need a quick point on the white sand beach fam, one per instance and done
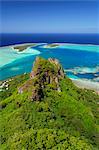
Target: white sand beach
(87, 84)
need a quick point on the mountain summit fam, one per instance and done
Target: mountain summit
(44, 73)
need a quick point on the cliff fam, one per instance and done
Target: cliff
(45, 73)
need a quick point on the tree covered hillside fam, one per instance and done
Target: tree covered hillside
(46, 111)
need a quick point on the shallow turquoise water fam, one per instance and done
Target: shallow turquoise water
(9, 55)
(79, 61)
(90, 48)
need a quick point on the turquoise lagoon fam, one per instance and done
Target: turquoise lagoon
(78, 60)
(9, 55)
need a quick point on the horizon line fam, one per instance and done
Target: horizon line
(45, 33)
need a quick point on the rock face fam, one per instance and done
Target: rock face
(45, 74)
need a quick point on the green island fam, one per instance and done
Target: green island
(44, 110)
(21, 48)
(53, 45)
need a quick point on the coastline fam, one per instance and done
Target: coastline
(86, 84)
(81, 83)
(15, 54)
(22, 44)
(46, 46)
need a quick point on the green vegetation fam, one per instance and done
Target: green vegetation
(23, 47)
(66, 119)
(52, 45)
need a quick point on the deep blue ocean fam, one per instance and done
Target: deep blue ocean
(69, 58)
(9, 39)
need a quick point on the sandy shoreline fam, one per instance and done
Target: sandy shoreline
(23, 44)
(82, 83)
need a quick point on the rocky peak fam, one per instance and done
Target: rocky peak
(47, 66)
(45, 73)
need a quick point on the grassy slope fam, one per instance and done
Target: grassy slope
(62, 120)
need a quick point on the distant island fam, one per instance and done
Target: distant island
(49, 75)
(22, 47)
(45, 110)
(52, 45)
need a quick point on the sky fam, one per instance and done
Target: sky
(62, 16)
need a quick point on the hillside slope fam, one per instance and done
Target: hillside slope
(45, 110)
